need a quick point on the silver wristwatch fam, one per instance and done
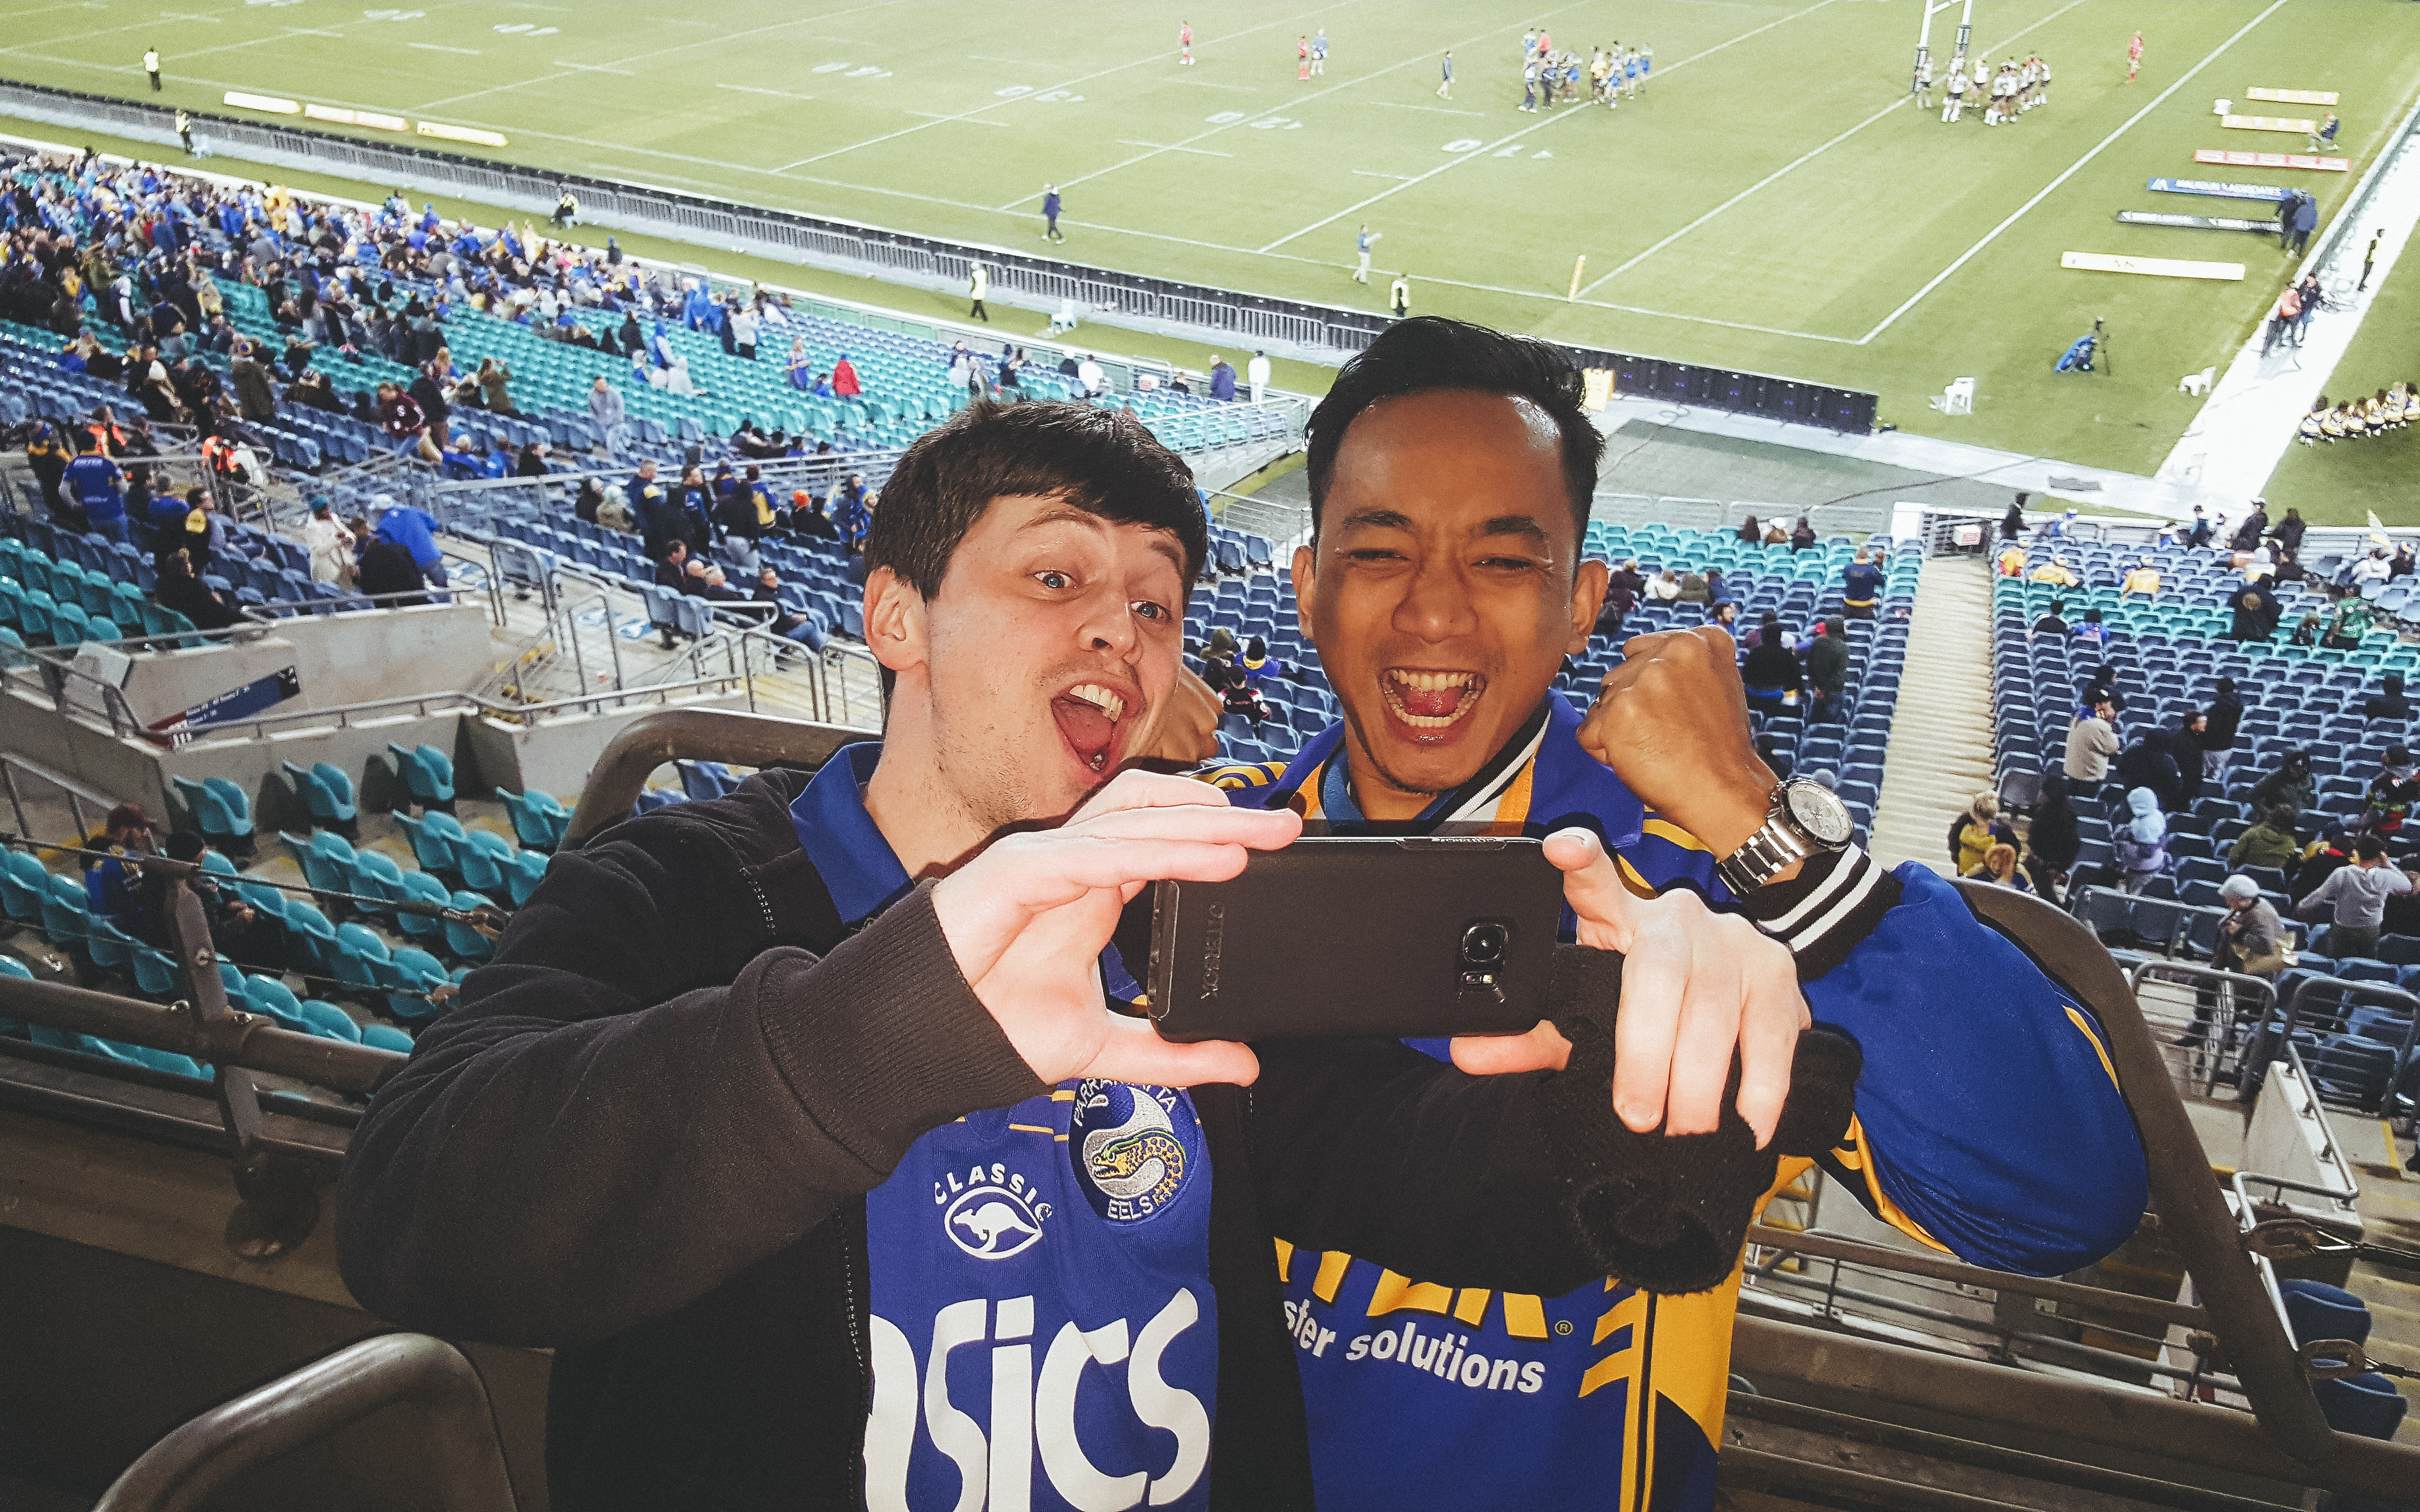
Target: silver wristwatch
(1805, 818)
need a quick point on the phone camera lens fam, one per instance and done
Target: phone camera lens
(1483, 946)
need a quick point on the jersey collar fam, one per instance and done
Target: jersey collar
(1474, 802)
(858, 865)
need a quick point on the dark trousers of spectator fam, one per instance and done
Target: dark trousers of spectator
(2345, 941)
(2269, 337)
(114, 529)
(1856, 612)
(745, 349)
(155, 81)
(2301, 240)
(2364, 277)
(1052, 230)
(2302, 323)
(188, 134)
(978, 313)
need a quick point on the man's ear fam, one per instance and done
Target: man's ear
(894, 620)
(1306, 585)
(1588, 597)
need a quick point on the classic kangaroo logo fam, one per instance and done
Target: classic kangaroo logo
(994, 1221)
(991, 1220)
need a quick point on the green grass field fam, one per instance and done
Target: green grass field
(1765, 205)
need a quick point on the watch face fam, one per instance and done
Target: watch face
(1815, 809)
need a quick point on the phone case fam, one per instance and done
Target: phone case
(1407, 936)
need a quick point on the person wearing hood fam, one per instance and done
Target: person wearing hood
(2289, 529)
(1257, 665)
(330, 543)
(2271, 844)
(2256, 610)
(2391, 794)
(1827, 670)
(2052, 841)
(47, 455)
(2142, 843)
(1221, 647)
(2290, 784)
(2184, 743)
(2388, 702)
(2000, 868)
(2255, 525)
(1974, 833)
(2150, 765)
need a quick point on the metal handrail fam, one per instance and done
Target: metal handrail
(463, 1454)
(2218, 1034)
(252, 1041)
(692, 734)
(2193, 1210)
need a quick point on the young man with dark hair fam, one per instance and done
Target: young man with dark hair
(797, 1125)
(1452, 470)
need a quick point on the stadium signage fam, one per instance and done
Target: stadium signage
(2212, 186)
(2198, 222)
(270, 103)
(2299, 125)
(356, 118)
(462, 133)
(256, 697)
(2272, 160)
(2293, 96)
(2105, 262)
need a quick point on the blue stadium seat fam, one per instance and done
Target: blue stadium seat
(421, 888)
(327, 793)
(428, 773)
(464, 941)
(537, 819)
(221, 811)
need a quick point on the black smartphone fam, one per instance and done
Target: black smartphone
(1409, 937)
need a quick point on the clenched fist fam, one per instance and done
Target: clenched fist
(1672, 724)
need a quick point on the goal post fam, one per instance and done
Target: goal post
(1924, 38)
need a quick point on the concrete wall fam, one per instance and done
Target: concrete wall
(553, 758)
(339, 659)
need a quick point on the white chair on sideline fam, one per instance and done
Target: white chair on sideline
(2198, 383)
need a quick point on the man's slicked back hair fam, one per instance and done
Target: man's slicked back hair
(1432, 353)
(1104, 462)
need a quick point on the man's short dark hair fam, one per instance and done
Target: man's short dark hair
(1432, 353)
(1102, 461)
(2369, 847)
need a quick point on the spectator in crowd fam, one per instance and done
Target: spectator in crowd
(2141, 847)
(2141, 578)
(1770, 674)
(2091, 744)
(706, 581)
(2256, 610)
(606, 412)
(2220, 723)
(2052, 841)
(2353, 897)
(96, 484)
(1827, 670)
(613, 511)
(2374, 567)
(2053, 622)
(2149, 765)
(2388, 702)
(1802, 536)
(844, 382)
(2391, 794)
(1861, 586)
(1750, 532)
(2184, 742)
(2255, 525)
(495, 386)
(2353, 617)
(415, 531)
(46, 455)
(2291, 784)
(1222, 379)
(1974, 833)
(239, 932)
(784, 622)
(1725, 617)
(672, 570)
(2290, 529)
(2271, 844)
(1666, 588)
(807, 519)
(1622, 590)
(2322, 860)
(253, 398)
(180, 591)
(2000, 867)
(330, 543)
(1238, 694)
(2251, 939)
(384, 567)
(2012, 524)
(2092, 631)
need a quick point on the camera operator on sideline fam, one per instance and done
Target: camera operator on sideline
(1452, 470)
(797, 1125)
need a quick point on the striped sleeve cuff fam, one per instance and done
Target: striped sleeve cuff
(1836, 900)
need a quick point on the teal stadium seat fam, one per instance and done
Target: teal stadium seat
(221, 811)
(428, 773)
(537, 818)
(327, 793)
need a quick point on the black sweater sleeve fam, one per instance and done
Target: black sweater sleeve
(1376, 1150)
(592, 1140)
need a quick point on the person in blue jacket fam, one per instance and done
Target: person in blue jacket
(1451, 469)
(415, 531)
(96, 484)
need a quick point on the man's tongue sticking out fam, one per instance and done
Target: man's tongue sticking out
(1088, 729)
(1432, 703)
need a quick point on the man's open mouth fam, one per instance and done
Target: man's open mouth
(1431, 701)
(1088, 715)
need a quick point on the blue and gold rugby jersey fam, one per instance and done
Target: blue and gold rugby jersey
(1988, 1125)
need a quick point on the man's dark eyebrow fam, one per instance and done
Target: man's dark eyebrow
(1376, 519)
(1161, 541)
(1525, 526)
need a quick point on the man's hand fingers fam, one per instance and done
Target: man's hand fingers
(1654, 975)
(1709, 1031)
(1262, 830)
(1769, 1029)
(1147, 790)
(1543, 1048)
(1608, 910)
(1134, 1051)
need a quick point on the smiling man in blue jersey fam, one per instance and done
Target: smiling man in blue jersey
(800, 1125)
(1451, 469)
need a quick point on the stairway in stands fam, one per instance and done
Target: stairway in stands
(2390, 1214)
(1940, 753)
